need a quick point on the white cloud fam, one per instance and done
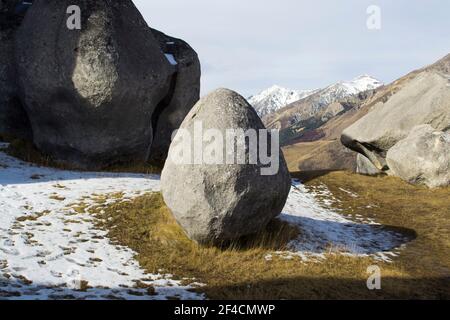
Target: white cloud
(252, 44)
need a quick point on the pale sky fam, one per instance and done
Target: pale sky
(249, 45)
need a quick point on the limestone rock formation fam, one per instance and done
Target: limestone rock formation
(423, 157)
(91, 94)
(421, 97)
(215, 201)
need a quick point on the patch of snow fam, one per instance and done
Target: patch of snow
(352, 194)
(47, 249)
(345, 89)
(324, 230)
(171, 58)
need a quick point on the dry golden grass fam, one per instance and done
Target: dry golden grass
(402, 205)
(297, 153)
(240, 270)
(319, 155)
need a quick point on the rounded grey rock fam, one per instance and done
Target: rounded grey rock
(422, 158)
(90, 93)
(220, 202)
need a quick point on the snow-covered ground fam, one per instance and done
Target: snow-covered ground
(48, 249)
(323, 229)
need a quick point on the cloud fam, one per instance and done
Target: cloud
(249, 45)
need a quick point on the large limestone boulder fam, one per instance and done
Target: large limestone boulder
(13, 119)
(421, 97)
(423, 157)
(212, 200)
(423, 100)
(91, 94)
(184, 93)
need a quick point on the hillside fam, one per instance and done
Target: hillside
(275, 98)
(317, 105)
(392, 137)
(326, 151)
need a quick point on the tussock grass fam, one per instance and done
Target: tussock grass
(240, 270)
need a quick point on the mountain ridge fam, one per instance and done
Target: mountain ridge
(277, 98)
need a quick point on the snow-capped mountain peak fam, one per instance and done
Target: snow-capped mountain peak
(276, 97)
(361, 84)
(344, 89)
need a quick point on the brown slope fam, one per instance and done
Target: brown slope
(327, 153)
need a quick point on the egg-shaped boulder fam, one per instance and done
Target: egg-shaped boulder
(216, 180)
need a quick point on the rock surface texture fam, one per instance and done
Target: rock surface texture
(365, 167)
(423, 157)
(218, 202)
(96, 96)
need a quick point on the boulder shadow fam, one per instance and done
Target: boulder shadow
(306, 176)
(333, 288)
(318, 236)
(276, 236)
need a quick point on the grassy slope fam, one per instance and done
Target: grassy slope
(319, 155)
(240, 271)
(326, 153)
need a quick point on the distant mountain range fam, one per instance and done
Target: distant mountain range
(275, 98)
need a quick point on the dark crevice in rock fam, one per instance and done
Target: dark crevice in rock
(376, 155)
(163, 104)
